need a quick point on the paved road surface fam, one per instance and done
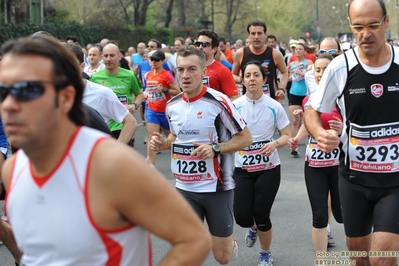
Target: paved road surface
(291, 218)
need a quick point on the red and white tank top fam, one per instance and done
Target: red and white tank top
(51, 220)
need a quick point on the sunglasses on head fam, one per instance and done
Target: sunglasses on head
(23, 91)
(331, 51)
(154, 59)
(204, 44)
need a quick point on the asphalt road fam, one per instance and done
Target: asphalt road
(291, 217)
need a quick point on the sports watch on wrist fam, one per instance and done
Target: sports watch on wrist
(136, 105)
(216, 149)
(165, 90)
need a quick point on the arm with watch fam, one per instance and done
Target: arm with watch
(240, 140)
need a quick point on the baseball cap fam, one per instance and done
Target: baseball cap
(293, 43)
(158, 55)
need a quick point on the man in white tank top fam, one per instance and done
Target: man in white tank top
(74, 195)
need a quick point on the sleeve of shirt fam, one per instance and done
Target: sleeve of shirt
(135, 85)
(170, 77)
(231, 118)
(311, 84)
(332, 83)
(112, 108)
(227, 82)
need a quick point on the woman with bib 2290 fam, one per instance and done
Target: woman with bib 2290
(257, 173)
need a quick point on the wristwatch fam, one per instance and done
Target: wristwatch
(282, 89)
(165, 90)
(136, 105)
(216, 149)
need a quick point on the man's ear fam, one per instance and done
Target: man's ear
(66, 98)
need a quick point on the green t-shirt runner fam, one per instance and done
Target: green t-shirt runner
(124, 84)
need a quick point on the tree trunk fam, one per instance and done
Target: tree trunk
(181, 20)
(169, 13)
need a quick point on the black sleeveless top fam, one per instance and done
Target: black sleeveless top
(266, 59)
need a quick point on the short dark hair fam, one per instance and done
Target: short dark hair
(159, 44)
(188, 50)
(180, 39)
(256, 23)
(382, 5)
(303, 38)
(76, 50)
(66, 70)
(191, 39)
(211, 34)
(72, 37)
(271, 37)
(223, 40)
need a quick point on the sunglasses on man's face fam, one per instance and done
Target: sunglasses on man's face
(331, 51)
(23, 91)
(204, 44)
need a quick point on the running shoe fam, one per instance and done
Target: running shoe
(330, 240)
(295, 153)
(1, 242)
(265, 259)
(234, 255)
(251, 237)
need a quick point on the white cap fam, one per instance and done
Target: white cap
(163, 45)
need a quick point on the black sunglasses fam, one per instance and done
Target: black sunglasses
(154, 59)
(204, 44)
(23, 91)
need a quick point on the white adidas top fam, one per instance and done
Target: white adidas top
(51, 221)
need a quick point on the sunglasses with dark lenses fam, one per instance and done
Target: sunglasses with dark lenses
(204, 44)
(155, 59)
(23, 91)
(331, 51)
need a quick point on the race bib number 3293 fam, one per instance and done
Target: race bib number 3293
(374, 148)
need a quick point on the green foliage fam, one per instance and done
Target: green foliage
(57, 16)
(86, 34)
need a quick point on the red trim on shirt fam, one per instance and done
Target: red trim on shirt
(41, 180)
(114, 250)
(196, 97)
(9, 188)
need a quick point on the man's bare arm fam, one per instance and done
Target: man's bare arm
(240, 140)
(142, 196)
(128, 129)
(237, 65)
(6, 234)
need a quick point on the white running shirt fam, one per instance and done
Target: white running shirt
(51, 221)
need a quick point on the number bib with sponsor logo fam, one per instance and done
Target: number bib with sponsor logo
(266, 90)
(251, 160)
(153, 95)
(375, 148)
(188, 168)
(298, 77)
(123, 99)
(316, 158)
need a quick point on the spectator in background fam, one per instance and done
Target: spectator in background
(95, 60)
(239, 44)
(227, 52)
(189, 41)
(72, 39)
